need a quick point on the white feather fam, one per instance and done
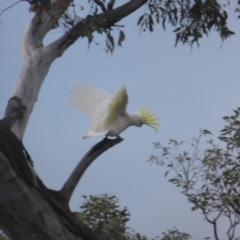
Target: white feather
(95, 103)
(87, 98)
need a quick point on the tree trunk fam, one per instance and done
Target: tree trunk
(28, 209)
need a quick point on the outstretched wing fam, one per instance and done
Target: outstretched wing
(87, 98)
(118, 105)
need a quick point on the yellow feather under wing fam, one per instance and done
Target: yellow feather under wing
(118, 105)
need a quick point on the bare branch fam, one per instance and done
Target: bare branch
(214, 223)
(1, 13)
(89, 157)
(215, 230)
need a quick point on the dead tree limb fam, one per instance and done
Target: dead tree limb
(84, 163)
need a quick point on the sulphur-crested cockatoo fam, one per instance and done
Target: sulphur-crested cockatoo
(108, 113)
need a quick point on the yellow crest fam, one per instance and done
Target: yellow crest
(150, 118)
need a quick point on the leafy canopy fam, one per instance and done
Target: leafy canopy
(104, 216)
(191, 19)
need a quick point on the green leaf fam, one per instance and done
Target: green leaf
(205, 131)
(140, 19)
(177, 29)
(121, 38)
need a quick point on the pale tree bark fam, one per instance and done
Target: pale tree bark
(28, 209)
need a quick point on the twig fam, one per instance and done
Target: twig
(11, 6)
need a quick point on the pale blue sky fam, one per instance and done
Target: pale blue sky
(189, 90)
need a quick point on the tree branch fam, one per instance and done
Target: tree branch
(1, 13)
(89, 157)
(123, 11)
(214, 223)
(45, 19)
(90, 24)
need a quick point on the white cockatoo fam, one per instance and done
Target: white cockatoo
(108, 113)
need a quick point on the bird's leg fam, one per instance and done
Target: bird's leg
(106, 136)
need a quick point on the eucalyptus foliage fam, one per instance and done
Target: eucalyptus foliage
(190, 19)
(208, 173)
(105, 217)
(175, 234)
